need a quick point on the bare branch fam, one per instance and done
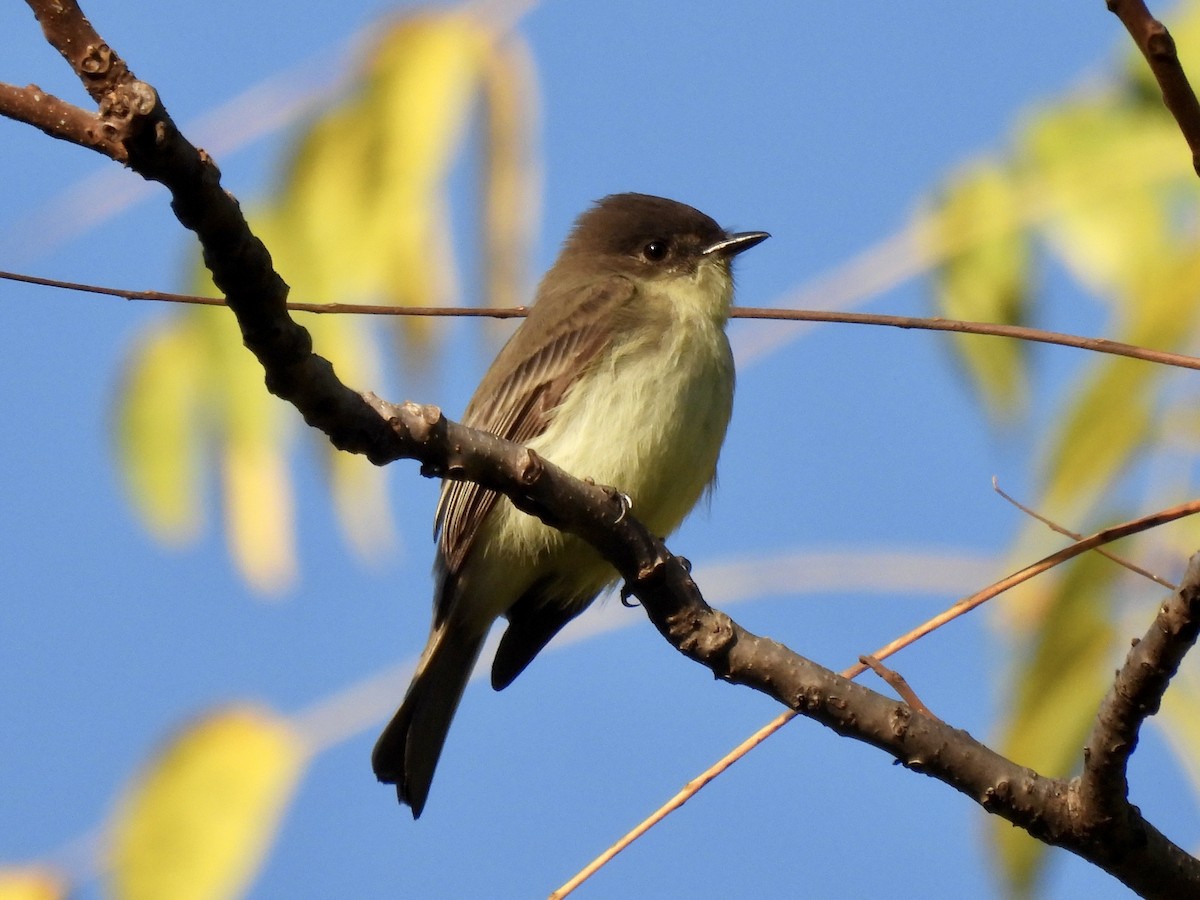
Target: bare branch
(898, 683)
(57, 118)
(1134, 696)
(1157, 45)
(1131, 849)
(68, 31)
(958, 609)
(959, 326)
(1075, 536)
(1100, 538)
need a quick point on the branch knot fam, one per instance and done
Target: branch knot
(127, 102)
(709, 636)
(97, 59)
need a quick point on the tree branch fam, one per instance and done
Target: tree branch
(1157, 45)
(57, 118)
(1135, 696)
(69, 32)
(1130, 848)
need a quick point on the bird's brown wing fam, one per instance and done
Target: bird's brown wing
(526, 382)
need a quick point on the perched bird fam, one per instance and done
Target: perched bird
(620, 373)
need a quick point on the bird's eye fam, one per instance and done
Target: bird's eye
(655, 251)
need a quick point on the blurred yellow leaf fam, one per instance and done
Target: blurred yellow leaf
(360, 501)
(975, 229)
(258, 504)
(252, 429)
(426, 71)
(31, 883)
(158, 424)
(1108, 421)
(1116, 411)
(366, 190)
(358, 488)
(197, 822)
(361, 215)
(511, 178)
(1093, 165)
(187, 378)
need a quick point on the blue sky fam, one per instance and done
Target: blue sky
(822, 123)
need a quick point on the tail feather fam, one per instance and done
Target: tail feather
(528, 633)
(407, 752)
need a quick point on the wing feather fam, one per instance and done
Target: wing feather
(517, 397)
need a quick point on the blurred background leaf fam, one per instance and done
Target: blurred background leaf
(361, 215)
(197, 822)
(33, 883)
(1100, 185)
(975, 228)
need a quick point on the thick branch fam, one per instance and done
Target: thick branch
(1135, 696)
(57, 118)
(1132, 849)
(1157, 45)
(1129, 848)
(69, 32)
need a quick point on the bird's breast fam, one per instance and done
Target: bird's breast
(649, 419)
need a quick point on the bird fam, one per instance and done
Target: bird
(621, 373)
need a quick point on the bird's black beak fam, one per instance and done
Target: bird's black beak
(733, 244)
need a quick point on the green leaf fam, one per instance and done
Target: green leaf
(1106, 425)
(361, 216)
(197, 822)
(975, 229)
(1090, 166)
(159, 420)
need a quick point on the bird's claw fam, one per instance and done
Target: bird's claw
(626, 506)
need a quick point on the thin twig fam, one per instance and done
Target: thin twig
(685, 794)
(993, 329)
(1054, 526)
(338, 308)
(1098, 345)
(1107, 536)
(897, 682)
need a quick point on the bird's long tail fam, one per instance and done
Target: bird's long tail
(407, 752)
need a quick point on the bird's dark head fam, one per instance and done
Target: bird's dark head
(654, 236)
